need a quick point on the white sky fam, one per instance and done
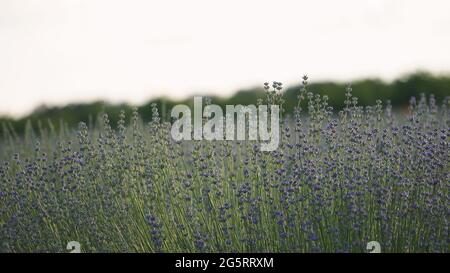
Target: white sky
(60, 51)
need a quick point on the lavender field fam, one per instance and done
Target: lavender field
(339, 179)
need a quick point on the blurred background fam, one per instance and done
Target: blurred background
(71, 59)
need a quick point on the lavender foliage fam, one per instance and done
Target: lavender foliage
(337, 181)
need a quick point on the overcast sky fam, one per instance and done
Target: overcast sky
(60, 51)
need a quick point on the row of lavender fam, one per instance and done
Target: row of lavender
(336, 182)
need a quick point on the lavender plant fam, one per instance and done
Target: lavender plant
(337, 181)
